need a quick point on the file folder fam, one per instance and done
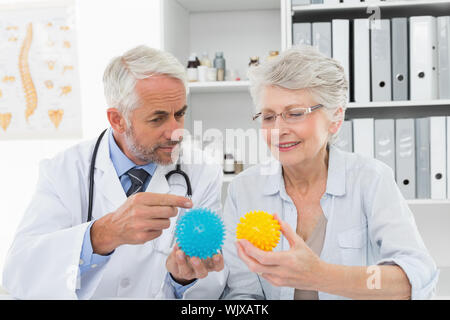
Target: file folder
(423, 186)
(361, 60)
(444, 56)
(363, 136)
(405, 157)
(385, 142)
(438, 157)
(301, 34)
(424, 59)
(400, 75)
(381, 61)
(321, 37)
(344, 140)
(341, 45)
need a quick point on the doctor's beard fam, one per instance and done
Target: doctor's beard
(146, 154)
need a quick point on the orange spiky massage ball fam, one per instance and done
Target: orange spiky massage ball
(260, 228)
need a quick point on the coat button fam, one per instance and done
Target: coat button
(125, 282)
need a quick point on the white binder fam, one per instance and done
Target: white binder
(301, 33)
(381, 61)
(423, 180)
(438, 157)
(344, 140)
(361, 60)
(405, 157)
(424, 58)
(443, 33)
(331, 1)
(321, 37)
(363, 136)
(400, 74)
(341, 44)
(385, 142)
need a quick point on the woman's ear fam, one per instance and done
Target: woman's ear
(117, 120)
(338, 119)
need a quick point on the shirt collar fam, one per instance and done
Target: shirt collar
(335, 179)
(121, 162)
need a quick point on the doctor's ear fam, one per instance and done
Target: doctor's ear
(117, 120)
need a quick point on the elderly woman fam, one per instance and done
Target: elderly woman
(347, 232)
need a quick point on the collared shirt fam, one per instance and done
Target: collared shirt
(369, 223)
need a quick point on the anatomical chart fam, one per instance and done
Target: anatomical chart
(39, 81)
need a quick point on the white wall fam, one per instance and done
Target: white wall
(105, 29)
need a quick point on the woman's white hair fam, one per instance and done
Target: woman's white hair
(122, 73)
(304, 67)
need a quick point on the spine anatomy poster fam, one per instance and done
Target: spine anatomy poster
(39, 80)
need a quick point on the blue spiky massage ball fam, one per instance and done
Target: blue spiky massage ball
(200, 233)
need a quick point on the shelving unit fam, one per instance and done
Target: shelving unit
(244, 28)
(218, 86)
(239, 29)
(423, 7)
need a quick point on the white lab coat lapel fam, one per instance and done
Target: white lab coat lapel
(108, 189)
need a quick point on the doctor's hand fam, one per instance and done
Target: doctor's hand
(299, 267)
(185, 269)
(142, 218)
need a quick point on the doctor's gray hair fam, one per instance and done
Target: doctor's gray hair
(121, 75)
(303, 67)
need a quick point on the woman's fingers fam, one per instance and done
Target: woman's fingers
(263, 257)
(292, 237)
(253, 264)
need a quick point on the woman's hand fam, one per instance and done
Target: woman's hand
(299, 267)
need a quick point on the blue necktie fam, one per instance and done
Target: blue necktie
(137, 177)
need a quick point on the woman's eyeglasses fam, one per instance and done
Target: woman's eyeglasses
(290, 116)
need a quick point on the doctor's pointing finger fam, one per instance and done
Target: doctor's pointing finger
(141, 218)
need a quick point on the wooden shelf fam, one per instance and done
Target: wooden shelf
(218, 86)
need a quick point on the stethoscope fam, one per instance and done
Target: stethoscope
(177, 170)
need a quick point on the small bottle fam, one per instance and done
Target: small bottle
(219, 64)
(204, 61)
(238, 166)
(254, 61)
(192, 72)
(272, 54)
(197, 62)
(228, 164)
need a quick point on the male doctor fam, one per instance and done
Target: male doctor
(125, 251)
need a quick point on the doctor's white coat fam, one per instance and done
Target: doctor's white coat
(43, 261)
